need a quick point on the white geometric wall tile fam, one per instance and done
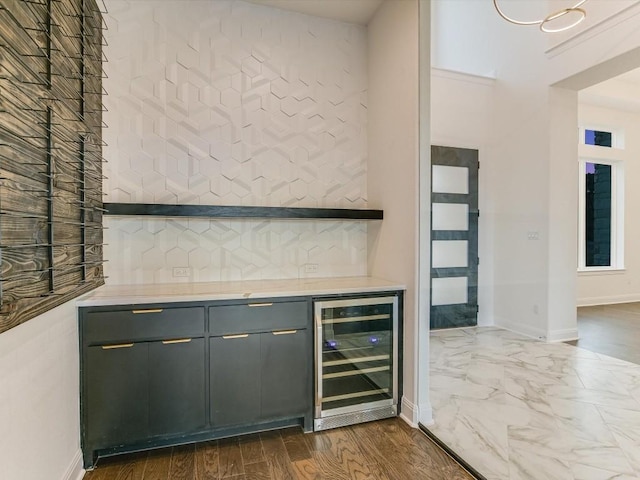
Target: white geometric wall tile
(230, 103)
(148, 249)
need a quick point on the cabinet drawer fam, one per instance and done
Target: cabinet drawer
(143, 324)
(261, 316)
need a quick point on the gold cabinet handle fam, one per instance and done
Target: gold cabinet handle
(150, 310)
(177, 340)
(118, 345)
(241, 335)
(284, 332)
(260, 304)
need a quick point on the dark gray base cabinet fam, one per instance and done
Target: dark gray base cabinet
(235, 387)
(284, 376)
(119, 396)
(177, 401)
(163, 375)
(146, 389)
(259, 377)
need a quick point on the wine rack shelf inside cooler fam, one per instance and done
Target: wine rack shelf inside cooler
(356, 349)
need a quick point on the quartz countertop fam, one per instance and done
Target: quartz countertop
(209, 291)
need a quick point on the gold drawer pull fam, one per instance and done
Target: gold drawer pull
(177, 340)
(119, 345)
(260, 304)
(241, 335)
(150, 310)
(284, 332)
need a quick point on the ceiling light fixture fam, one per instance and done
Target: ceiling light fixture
(544, 23)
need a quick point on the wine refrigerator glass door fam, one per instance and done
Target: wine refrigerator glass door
(356, 355)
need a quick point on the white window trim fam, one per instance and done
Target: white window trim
(617, 215)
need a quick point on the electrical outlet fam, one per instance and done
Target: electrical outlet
(181, 271)
(310, 268)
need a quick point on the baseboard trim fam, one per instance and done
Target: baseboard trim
(457, 458)
(610, 300)
(566, 335)
(523, 330)
(75, 470)
(409, 413)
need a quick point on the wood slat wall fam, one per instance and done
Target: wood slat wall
(50, 155)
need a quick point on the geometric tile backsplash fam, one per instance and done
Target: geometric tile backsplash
(229, 103)
(147, 250)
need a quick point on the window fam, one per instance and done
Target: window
(601, 215)
(602, 137)
(598, 138)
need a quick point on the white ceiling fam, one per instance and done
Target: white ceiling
(352, 11)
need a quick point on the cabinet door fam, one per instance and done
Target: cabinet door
(286, 382)
(116, 405)
(176, 386)
(235, 379)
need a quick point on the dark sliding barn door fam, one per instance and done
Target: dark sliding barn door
(454, 237)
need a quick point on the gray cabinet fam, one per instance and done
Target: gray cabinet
(259, 377)
(285, 359)
(235, 381)
(142, 377)
(116, 401)
(260, 363)
(176, 386)
(144, 389)
(168, 374)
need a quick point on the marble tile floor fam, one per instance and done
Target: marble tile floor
(517, 408)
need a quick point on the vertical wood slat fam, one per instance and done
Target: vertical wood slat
(50, 155)
(50, 193)
(83, 234)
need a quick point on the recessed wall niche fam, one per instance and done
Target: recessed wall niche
(229, 103)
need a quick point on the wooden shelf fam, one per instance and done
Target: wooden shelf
(229, 211)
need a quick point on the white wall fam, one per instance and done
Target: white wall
(393, 164)
(231, 103)
(532, 148)
(39, 398)
(461, 112)
(563, 221)
(618, 286)
(519, 160)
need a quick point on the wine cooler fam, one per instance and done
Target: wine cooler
(356, 360)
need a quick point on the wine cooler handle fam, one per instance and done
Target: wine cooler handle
(318, 318)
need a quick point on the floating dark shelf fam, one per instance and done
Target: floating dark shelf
(227, 211)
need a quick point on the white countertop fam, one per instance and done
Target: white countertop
(207, 291)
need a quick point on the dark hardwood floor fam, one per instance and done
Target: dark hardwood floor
(612, 330)
(387, 449)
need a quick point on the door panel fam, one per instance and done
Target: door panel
(449, 291)
(285, 382)
(235, 379)
(176, 386)
(117, 394)
(450, 216)
(448, 179)
(449, 253)
(454, 237)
